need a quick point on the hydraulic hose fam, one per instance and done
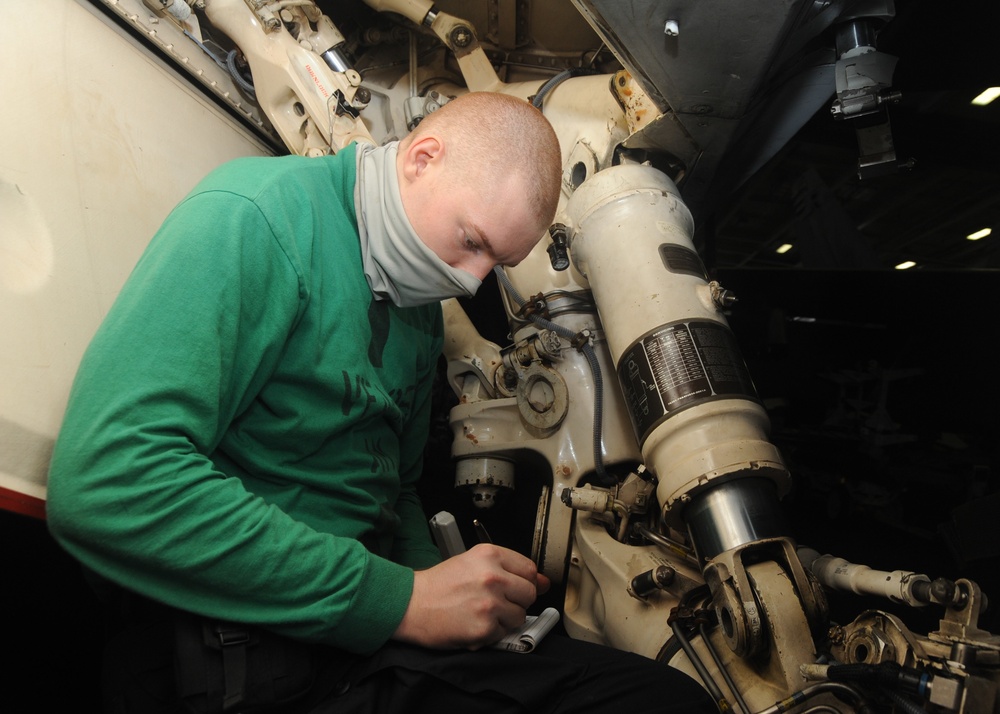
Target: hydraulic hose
(237, 77)
(713, 689)
(839, 689)
(905, 705)
(555, 81)
(720, 665)
(889, 675)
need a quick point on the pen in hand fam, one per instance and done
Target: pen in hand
(484, 536)
(540, 581)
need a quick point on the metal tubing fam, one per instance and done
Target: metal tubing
(856, 35)
(706, 677)
(900, 586)
(664, 542)
(723, 671)
(735, 513)
(336, 60)
(839, 689)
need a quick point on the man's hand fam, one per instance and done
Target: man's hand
(471, 600)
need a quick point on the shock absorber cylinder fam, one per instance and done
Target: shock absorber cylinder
(694, 408)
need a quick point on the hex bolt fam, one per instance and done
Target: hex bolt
(362, 96)
(461, 36)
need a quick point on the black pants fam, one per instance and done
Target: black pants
(561, 676)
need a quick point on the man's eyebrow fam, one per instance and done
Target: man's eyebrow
(485, 240)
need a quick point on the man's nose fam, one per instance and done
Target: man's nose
(479, 266)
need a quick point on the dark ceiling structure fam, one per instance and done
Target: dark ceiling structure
(946, 184)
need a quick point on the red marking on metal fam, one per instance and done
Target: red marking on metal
(317, 81)
(22, 503)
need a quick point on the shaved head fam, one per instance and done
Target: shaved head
(493, 138)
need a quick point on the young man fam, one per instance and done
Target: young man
(244, 436)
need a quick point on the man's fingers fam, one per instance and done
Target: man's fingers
(521, 592)
(542, 584)
(511, 561)
(511, 618)
(491, 586)
(522, 587)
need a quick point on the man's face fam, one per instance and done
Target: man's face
(470, 226)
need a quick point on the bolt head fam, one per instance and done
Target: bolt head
(461, 36)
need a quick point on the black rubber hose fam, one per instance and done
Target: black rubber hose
(237, 77)
(885, 674)
(555, 81)
(907, 706)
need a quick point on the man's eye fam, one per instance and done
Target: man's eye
(471, 244)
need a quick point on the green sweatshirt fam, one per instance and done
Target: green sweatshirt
(247, 414)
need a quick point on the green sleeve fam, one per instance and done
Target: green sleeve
(133, 492)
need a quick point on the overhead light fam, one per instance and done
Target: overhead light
(986, 97)
(784, 248)
(979, 234)
(905, 264)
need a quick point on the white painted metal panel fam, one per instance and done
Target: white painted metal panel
(98, 141)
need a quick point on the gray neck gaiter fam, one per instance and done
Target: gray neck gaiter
(397, 264)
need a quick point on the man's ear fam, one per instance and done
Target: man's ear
(421, 155)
